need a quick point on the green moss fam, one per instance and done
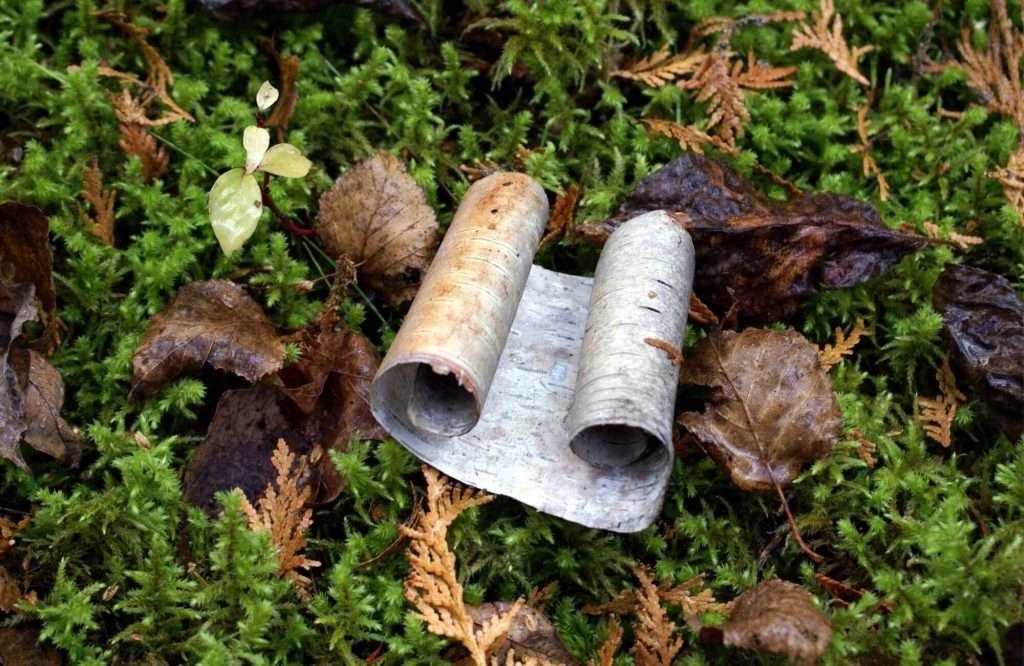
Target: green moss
(939, 534)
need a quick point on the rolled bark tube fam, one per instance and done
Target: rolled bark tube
(438, 371)
(621, 414)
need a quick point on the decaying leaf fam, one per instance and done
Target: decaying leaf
(656, 643)
(772, 410)
(868, 164)
(26, 257)
(832, 354)
(766, 256)
(211, 323)
(688, 136)
(136, 140)
(662, 67)
(43, 399)
(377, 216)
(778, 617)
(238, 449)
(983, 320)
(102, 201)
(21, 646)
(530, 636)
(606, 655)
(282, 512)
(825, 34)
(433, 586)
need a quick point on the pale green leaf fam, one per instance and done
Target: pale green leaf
(284, 159)
(255, 140)
(266, 96)
(235, 207)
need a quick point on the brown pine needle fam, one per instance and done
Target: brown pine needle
(832, 354)
(868, 163)
(433, 586)
(102, 201)
(656, 643)
(282, 512)
(937, 413)
(560, 222)
(825, 33)
(688, 136)
(137, 141)
(701, 313)
(962, 241)
(661, 68)
(606, 654)
(673, 352)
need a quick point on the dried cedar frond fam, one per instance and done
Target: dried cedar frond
(825, 33)
(560, 221)
(962, 241)
(282, 512)
(656, 643)
(759, 76)
(606, 654)
(726, 104)
(661, 68)
(832, 354)
(701, 313)
(994, 73)
(433, 586)
(937, 413)
(1011, 177)
(868, 163)
(691, 601)
(102, 201)
(688, 136)
(717, 24)
(137, 141)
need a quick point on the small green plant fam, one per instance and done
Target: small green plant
(236, 199)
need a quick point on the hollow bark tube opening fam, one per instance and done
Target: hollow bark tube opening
(614, 445)
(438, 404)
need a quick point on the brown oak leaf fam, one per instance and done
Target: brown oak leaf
(776, 616)
(766, 256)
(208, 323)
(26, 256)
(378, 217)
(983, 320)
(531, 634)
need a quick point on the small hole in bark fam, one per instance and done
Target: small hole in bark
(494, 210)
(506, 183)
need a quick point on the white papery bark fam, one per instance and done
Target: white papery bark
(481, 381)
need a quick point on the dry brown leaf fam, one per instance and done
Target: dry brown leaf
(727, 107)
(26, 257)
(656, 643)
(832, 354)
(9, 530)
(282, 512)
(701, 313)
(531, 635)
(136, 140)
(1011, 177)
(825, 33)
(43, 399)
(433, 586)
(868, 163)
(772, 410)
(688, 136)
(962, 241)
(10, 594)
(102, 201)
(560, 221)
(674, 354)
(211, 323)
(661, 68)
(778, 617)
(377, 216)
(995, 73)
(606, 655)
(937, 413)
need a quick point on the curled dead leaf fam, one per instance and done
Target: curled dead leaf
(530, 636)
(983, 320)
(776, 616)
(211, 323)
(378, 217)
(772, 255)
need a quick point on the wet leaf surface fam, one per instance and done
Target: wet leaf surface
(211, 323)
(378, 217)
(778, 617)
(45, 430)
(26, 256)
(984, 325)
(772, 255)
(532, 636)
(772, 407)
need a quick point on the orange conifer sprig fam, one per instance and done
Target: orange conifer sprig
(937, 413)
(825, 33)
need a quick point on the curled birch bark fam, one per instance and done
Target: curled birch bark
(442, 362)
(621, 414)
